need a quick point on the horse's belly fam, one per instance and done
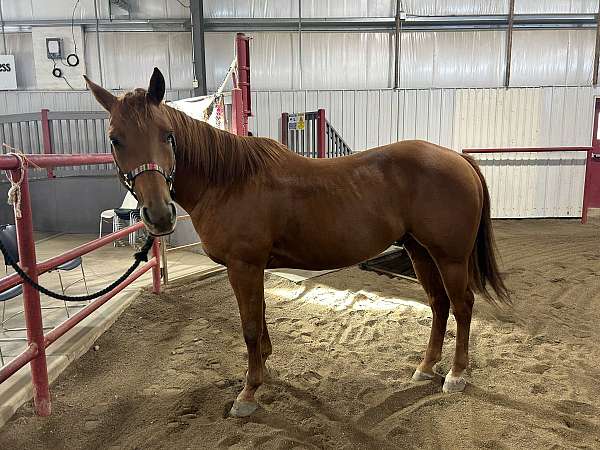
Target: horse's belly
(330, 247)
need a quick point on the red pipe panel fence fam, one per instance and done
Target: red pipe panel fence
(35, 353)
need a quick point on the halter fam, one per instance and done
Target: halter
(128, 178)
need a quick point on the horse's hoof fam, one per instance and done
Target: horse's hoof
(453, 384)
(422, 376)
(242, 408)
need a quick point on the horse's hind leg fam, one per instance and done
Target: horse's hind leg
(429, 276)
(455, 276)
(247, 283)
(265, 345)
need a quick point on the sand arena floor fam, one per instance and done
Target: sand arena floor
(345, 346)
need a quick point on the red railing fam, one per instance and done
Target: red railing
(588, 180)
(241, 100)
(35, 354)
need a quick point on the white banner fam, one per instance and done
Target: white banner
(8, 74)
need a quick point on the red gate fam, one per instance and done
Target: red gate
(35, 354)
(591, 196)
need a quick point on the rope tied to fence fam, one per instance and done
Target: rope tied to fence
(14, 192)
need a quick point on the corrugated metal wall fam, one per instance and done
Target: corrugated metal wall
(521, 185)
(386, 8)
(13, 102)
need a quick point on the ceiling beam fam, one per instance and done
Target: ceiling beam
(327, 24)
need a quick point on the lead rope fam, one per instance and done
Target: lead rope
(140, 256)
(14, 199)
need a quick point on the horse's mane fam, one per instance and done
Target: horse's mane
(221, 157)
(218, 156)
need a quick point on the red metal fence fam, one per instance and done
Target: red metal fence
(35, 354)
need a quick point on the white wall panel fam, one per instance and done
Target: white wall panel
(521, 185)
(13, 102)
(442, 59)
(129, 58)
(21, 46)
(454, 7)
(44, 66)
(349, 8)
(250, 8)
(274, 59)
(62, 9)
(555, 6)
(366, 58)
(552, 57)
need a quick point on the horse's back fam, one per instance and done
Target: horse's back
(350, 208)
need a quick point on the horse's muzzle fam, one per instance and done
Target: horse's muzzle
(160, 220)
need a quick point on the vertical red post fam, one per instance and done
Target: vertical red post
(47, 138)
(237, 116)
(321, 133)
(285, 118)
(31, 298)
(589, 168)
(243, 66)
(156, 267)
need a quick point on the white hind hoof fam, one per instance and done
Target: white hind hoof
(241, 408)
(453, 384)
(422, 376)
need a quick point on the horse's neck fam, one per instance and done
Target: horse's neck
(193, 136)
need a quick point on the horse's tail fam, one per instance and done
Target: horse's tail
(484, 268)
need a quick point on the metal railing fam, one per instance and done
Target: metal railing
(38, 342)
(57, 132)
(310, 134)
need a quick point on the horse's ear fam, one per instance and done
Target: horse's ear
(156, 90)
(105, 98)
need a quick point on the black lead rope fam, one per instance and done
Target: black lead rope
(141, 256)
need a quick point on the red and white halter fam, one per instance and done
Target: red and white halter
(128, 178)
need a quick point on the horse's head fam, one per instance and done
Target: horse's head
(143, 146)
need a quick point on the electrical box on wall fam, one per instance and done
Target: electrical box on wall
(54, 48)
(8, 74)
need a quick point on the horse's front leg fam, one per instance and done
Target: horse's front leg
(247, 282)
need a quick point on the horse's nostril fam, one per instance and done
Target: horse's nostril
(161, 217)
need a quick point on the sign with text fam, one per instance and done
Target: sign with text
(8, 74)
(296, 122)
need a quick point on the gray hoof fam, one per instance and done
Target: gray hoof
(422, 376)
(453, 384)
(242, 408)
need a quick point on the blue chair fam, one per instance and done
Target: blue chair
(5, 296)
(8, 236)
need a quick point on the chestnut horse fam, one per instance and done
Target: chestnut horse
(256, 205)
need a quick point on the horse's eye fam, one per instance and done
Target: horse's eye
(114, 141)
(169, 138)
